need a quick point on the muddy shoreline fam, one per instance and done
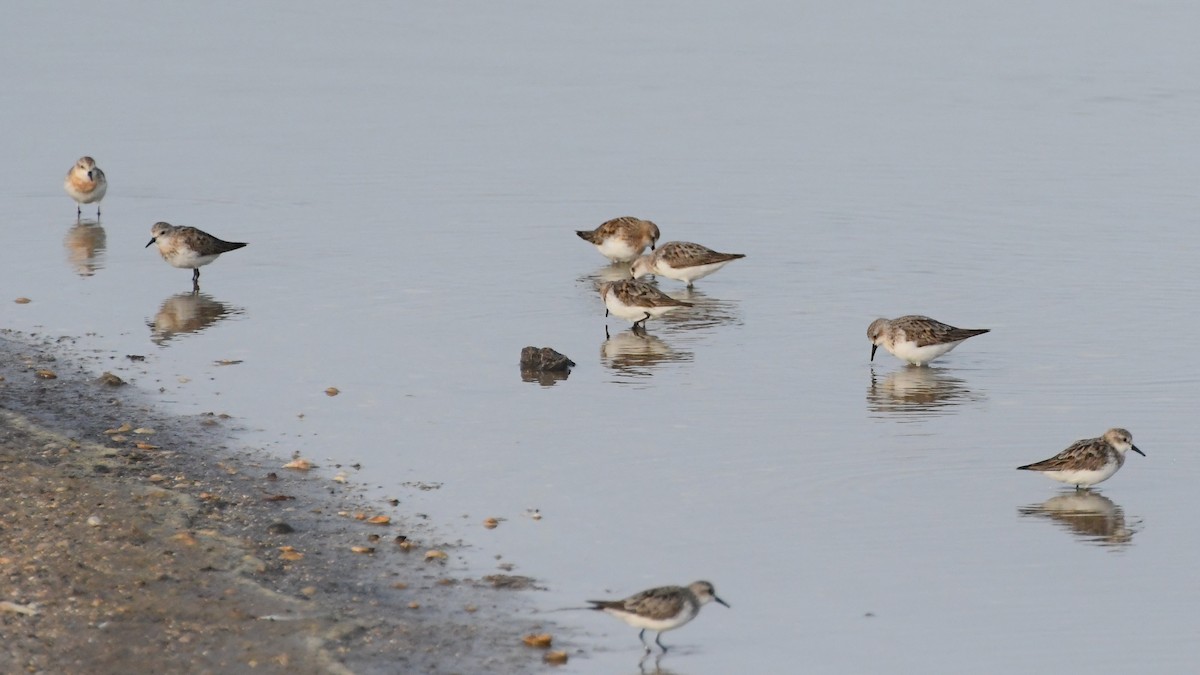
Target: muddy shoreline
(130, 537)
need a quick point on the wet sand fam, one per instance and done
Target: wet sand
(120, 550)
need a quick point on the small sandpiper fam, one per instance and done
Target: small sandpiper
(622, 239)
(1088, 462)
(682, 261)
(86, 184)
(660, 609)
(917, 339)
(188, 248)
(637, 301)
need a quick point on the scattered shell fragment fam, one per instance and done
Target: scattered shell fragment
(7, 606)
(118, 438)
(291, 556)
(299, 464)
(555, 658)
(110, 379)
(156, 478)
(93, 521)
(400, 585)
(541, 641)
(379, 520)
(145, 431)
(22, 300)
(228, 362)
(434, 554)
(46, 374)
(186, 538)
(404, 544)
(491, 523)
(471, 609)
(332, 391)
(363, 549)
(146, 446)
(120, 430)
(340, 477)
(414, 605)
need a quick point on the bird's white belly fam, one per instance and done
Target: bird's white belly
(1085, 478)
(188, 260)
(688, 274)
(633, 312)
(653, 624)
(919, 356)
(617, 249)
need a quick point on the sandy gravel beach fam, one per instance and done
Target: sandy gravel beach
(167, 552)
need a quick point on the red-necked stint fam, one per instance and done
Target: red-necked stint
(86, 184)
(622, 239)
(1090, 461)
(660, 609)
(917, 339)
(637, 301)
(682, 261)
(188, 247)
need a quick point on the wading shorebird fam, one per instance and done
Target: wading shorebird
(682, 261)
(188, 247)
(637, 301)
(1087, 462)
(917, 339)
(622, 239)
(660, 609)
(86, 184)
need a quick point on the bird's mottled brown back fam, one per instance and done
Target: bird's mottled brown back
(626, 227)
(687, 254)
(640, 294)
(925, 331)
(660, 603)
(1090, 454)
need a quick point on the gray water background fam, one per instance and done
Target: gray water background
(408, 176)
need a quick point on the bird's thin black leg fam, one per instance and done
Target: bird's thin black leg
(658, 641)
(642, 637)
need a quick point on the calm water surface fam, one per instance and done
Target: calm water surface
(409, 176)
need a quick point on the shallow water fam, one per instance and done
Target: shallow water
(409, 178)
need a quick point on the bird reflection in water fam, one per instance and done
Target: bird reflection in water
(921, 390)
(636, 353)
(85, 243)
(187, 313)
(653, 666)
(613, 272)
(705, 312)
(1088, 515)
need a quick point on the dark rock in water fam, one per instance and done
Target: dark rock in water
(544, 366)
(280, 528)
(545, 359)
